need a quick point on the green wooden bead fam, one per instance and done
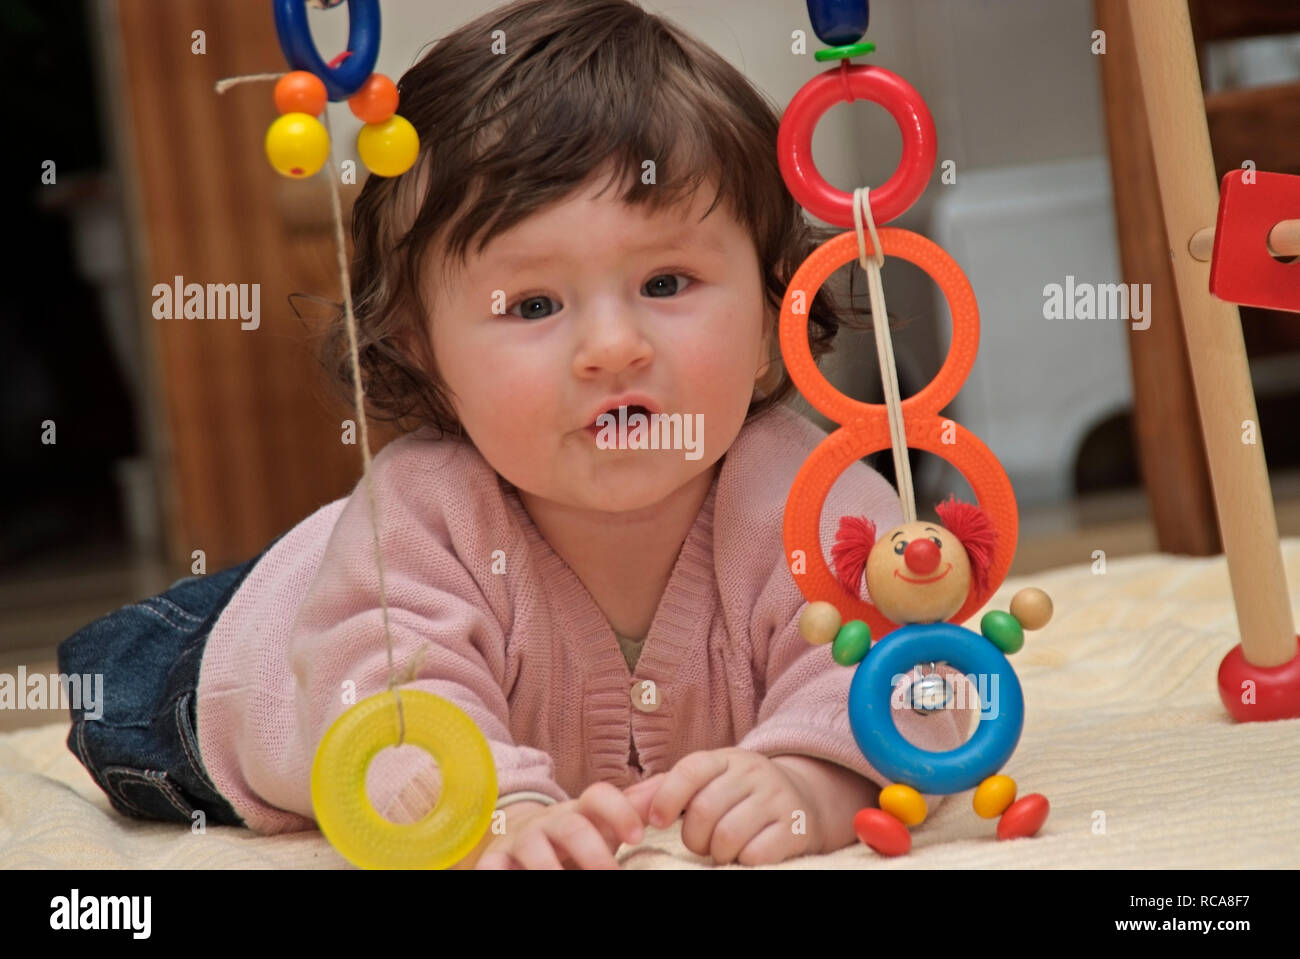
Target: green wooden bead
(1003, 630)
(851, 642)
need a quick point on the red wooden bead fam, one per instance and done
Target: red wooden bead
(882, 832)
(1024, 817)
(1274, 691)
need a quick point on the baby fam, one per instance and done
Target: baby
(596, 225)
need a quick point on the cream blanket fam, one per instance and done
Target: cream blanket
(1124, 734)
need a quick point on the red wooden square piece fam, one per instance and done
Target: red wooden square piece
(1242, 270)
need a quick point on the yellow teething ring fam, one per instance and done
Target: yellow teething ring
(451, 829)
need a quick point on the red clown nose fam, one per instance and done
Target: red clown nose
(921, 556)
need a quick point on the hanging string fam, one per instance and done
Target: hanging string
(228, 82)
(884, 349)
(358, 395)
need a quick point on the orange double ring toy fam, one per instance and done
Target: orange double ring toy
(864, 427)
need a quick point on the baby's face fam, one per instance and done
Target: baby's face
(604, 305)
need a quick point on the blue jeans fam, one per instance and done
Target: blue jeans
(142, 750)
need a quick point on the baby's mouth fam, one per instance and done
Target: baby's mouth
(597, 426)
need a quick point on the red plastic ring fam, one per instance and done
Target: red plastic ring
(845, 84)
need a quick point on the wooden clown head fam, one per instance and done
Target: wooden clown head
(918, 572)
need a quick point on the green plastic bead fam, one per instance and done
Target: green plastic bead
(843, 53)
(851, 643)
(1003, 630)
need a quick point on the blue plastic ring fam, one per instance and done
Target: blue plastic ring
(935, 773)
(300, 49)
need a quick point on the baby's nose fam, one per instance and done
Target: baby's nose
(921, 556)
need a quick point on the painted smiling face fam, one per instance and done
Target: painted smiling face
(918, 573)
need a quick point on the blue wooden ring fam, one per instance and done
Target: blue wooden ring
(300, 49)
(936, 773)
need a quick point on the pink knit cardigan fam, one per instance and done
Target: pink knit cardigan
(484, 613)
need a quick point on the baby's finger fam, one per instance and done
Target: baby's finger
(771, 845)
(578, 837)
(605, 805)
(533, 851)
(495, 860)
(642, 794)
(707, 808)
(682, 782)
(742, 825)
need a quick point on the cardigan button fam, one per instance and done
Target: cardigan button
(645, 695)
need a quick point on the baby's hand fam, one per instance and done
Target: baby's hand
(740, 807)
(583, 832)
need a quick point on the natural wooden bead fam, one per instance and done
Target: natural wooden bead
(819, 622)
(1032, 607)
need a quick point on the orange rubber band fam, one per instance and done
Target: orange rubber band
(864, 427)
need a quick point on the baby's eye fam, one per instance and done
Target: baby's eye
(900, 546)
(659, 288)
(532, 308)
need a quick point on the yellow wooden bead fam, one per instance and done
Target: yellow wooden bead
(389, 148)
(297, 145)
(994, 795)
(903, 803)
(819, 622)
(1032, 607)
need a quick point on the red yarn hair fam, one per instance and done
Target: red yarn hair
(853, 543)
(975, 531)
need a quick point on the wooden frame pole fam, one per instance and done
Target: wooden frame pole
(1180, 140)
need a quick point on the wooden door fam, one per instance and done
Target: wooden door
(249, 440)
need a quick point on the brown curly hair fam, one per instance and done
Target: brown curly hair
(582, 84)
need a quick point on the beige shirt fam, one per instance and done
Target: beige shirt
(631, 649)
(631, 652)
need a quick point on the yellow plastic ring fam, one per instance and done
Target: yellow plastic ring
(451, 829)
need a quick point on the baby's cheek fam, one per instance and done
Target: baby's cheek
(513, 398)
(718, 373)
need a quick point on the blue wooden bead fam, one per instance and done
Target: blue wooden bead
(838, 23)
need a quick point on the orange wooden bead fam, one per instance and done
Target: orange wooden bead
(376, 101)
(300, 92)
(903, 803)
(994, 796)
